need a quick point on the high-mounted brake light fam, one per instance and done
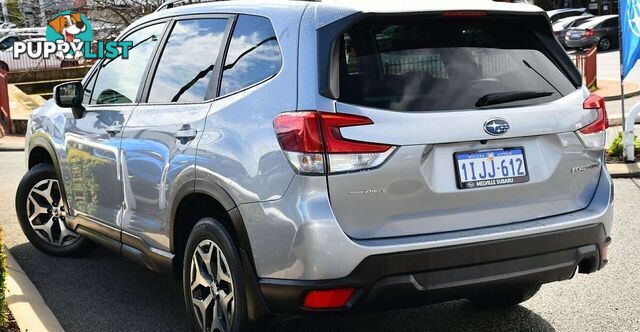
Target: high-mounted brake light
(464, 13)
(593, 135)
(311, 139)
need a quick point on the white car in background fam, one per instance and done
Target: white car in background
(8, 63)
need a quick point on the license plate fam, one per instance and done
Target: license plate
(490, 167)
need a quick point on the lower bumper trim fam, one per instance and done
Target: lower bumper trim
(434, 275)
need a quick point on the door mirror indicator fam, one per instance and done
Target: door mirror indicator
(69, 95)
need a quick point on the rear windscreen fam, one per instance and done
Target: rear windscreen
(432, 63)
(589, 23)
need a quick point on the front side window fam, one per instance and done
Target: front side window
(119, 79)
(253, 56)
(441, 63)
(188, 61)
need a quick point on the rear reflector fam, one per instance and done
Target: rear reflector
(311, 138)
(594, 134)
(327, 298)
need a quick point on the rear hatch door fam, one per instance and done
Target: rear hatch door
(483, 119)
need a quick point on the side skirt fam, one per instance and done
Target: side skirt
(126, 244)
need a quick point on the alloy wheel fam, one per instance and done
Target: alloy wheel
(604, 44)
(47, 214)
(212, 292)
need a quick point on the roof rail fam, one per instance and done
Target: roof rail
(177, 3)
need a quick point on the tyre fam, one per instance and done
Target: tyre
(604, 44)
(4, 66)
(42, 214)
(212, 280)
(505, 297)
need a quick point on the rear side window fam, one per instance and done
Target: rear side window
(188, 61)
(434, 63)
(253, 56)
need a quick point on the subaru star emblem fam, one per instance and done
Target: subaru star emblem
(496, 127)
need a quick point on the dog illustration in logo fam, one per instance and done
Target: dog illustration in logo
(68, 26)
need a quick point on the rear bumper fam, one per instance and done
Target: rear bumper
(304, 241)
(580, 43)
(434, 275)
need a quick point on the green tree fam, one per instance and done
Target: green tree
(15, 14)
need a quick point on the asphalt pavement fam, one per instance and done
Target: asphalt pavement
(104, 292)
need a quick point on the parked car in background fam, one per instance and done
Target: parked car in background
(8, 63)
(561, 26)
(7, 41)
(557, 14)
(599, 30)
(8, 36)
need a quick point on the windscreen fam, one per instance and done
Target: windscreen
(431, 63)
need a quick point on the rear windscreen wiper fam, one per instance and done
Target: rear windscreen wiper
(510, 96)
(541, 76)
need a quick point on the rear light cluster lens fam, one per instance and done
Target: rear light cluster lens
(357, 161)
(313, 143)
(594, 135)
(588, 33)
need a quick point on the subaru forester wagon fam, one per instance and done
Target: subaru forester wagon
(298, 158)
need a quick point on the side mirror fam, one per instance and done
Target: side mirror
(69, 95)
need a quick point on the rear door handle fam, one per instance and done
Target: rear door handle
(185, 133)
(114, 128)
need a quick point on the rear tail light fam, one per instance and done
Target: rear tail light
(588, 33)
(313, 143)
(594, 135)
(328, 298)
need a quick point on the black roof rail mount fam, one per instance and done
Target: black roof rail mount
(177, 3)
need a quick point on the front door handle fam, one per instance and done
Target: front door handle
(185, 134)
(114, 128)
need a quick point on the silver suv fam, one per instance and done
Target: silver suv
(309, 157)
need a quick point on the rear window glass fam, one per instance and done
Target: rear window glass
(445, 63)
(591, 23)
